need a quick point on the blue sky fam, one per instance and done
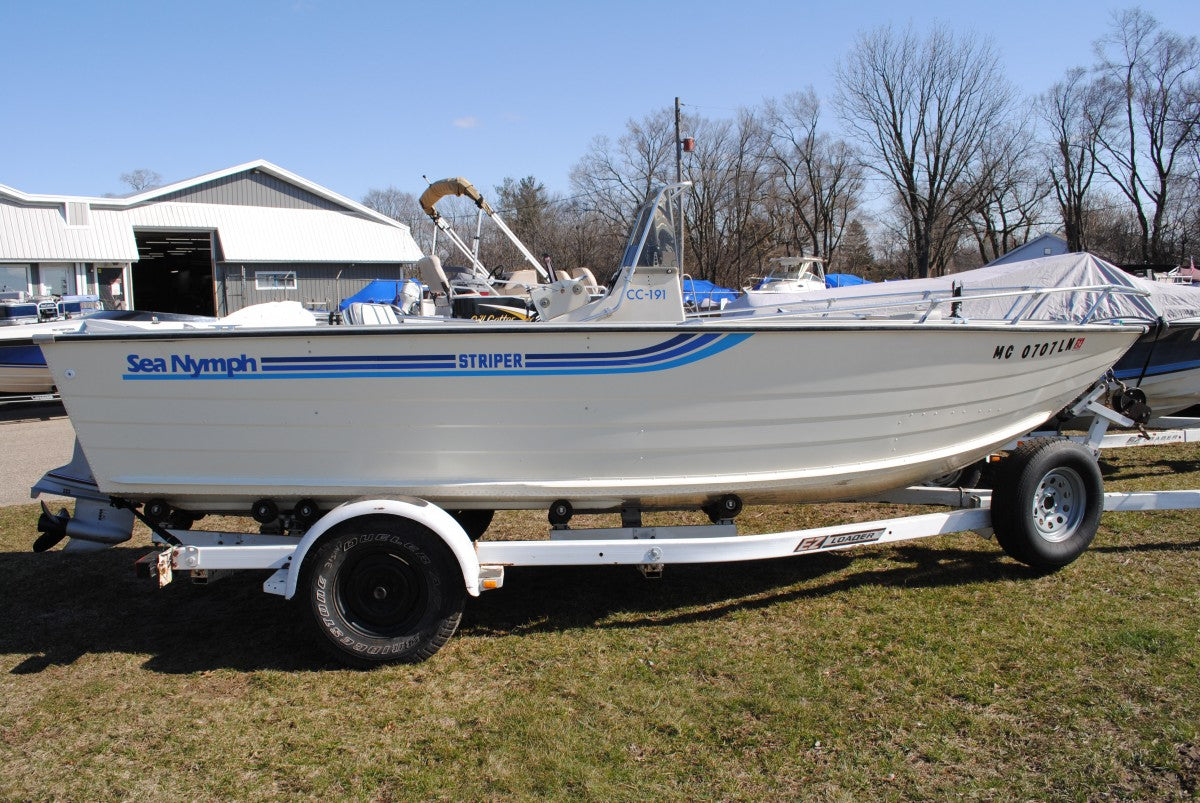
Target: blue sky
(361, 95)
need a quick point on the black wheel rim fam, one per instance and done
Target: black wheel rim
(381, 595)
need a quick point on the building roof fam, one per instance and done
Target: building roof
(259, 234)
(318, 225)
(41, 234)
(1044, 246)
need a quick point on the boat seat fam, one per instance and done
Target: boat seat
(519, 282)
(430, 270)
(364, 314)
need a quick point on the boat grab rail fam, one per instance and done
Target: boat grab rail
(931, 300)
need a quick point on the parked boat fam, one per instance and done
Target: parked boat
(789, 279)
(607, 403)
(1164, 364)
(475, 291)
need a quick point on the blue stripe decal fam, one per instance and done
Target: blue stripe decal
(615, 354)
(362, 358)
(22, 355)
(1159, 370)
(367, 366)
(667, 355)
(592, 359)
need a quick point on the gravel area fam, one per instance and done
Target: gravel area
(35, 438)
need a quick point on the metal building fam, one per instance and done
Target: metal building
(209, 245)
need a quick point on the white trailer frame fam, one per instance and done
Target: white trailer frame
(483, 562)
(650, 548)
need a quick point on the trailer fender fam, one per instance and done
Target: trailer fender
(429, 515)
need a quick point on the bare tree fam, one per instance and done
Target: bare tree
(585, 238)
(141, 179)
(1074, 116)
(924, 108)
(816, 180)
(1012, 194)
(1150, 77)
(727, 230)
(396, 204)
(617, 177)
(403, 207)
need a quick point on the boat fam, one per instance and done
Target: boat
(616, 402)
(701, 295)
(1164, 364)
(20, 309)
(404, 296)
(23, 369)
(475, 291)
(789, 279)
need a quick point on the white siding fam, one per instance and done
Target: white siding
(246, 234)
(41, 234)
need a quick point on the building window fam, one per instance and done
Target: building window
(274, 280)
(14, 278)
(56, 280)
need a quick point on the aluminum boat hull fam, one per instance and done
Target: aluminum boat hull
(23, 370)
(1166, 366)
(494, 415)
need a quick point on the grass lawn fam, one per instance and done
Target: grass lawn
(937, 668)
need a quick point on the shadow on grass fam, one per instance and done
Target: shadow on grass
(539, 600)
(1162, 546)
(1114, 471)
(61, 607)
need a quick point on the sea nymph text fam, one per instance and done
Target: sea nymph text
(189, 365)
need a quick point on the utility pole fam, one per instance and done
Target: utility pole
(678, 178)
(678, 146)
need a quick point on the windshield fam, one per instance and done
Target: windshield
(793, 274)
(652, 240)
(795, 271)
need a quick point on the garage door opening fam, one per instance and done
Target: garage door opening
(174, 273)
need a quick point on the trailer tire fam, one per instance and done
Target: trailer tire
(968, 477)
(382, 589)
(1047, 502)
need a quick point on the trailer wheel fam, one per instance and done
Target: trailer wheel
(383, 589)
(968, 477)
(1047, 502)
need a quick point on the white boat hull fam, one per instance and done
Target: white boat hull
(603, 416)
(1172, 392)
(25, 379)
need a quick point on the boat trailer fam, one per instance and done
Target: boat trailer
(384, 580)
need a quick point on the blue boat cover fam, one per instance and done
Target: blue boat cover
(377, 291)
(843, 280)
(703, 294)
